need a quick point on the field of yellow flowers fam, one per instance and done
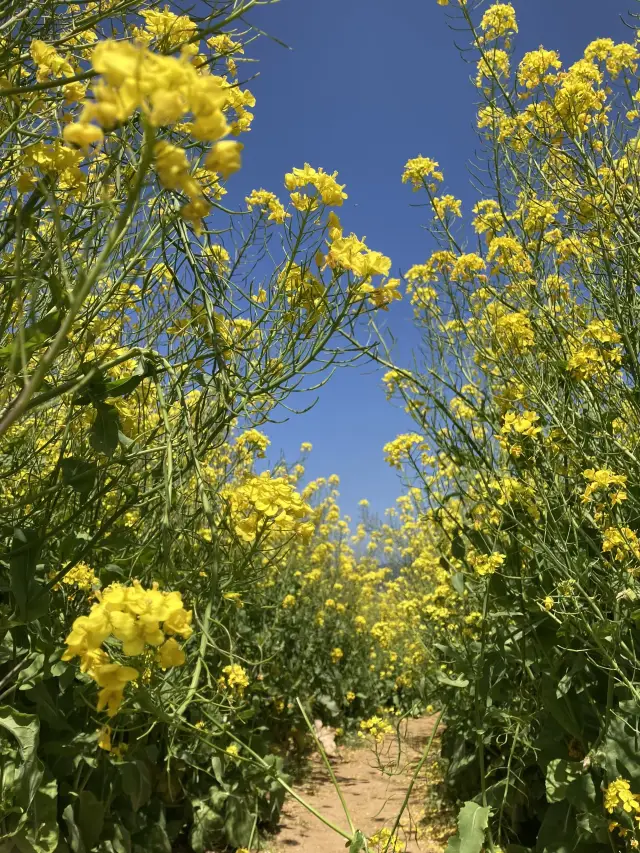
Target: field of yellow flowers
(172, 615)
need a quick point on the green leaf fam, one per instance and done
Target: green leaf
(457, 582)
(561, 709)
(206, 828)
(29, 772)
(216, 765)
(238, 822)
(136, 782)
(33, 337)
(121, 387)
(79, 474)
(23, 562)
(621, 754)
(90, 818)
(472, 824)
(117, 840)
(105, 429)
(567, 780)
(40, 832)
(73, 831)
(358, 843)
(557, 832)
(459, 682)
(458, 549)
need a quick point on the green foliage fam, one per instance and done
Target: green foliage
(472, 825)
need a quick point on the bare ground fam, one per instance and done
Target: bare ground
(373, 796)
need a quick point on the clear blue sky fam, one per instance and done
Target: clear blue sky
(366, 85)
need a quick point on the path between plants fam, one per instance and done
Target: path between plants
(373, 797)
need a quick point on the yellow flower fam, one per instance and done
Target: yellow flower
(618, 793)
(82, 134)
(499, 20)
(336, 655)
(170, 654)
(235, 678)
(104, 738)
(225, 158)
(112, 678)
(418, 169)
(486, 564)
(328, 189)
(88, 632)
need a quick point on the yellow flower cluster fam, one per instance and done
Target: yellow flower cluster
(375, 727)
(269, 203)
(618, 795)
(418, 169)
(234, 679)
(513, 331)
(336, 655)
(399, 450)
(166, 89)
(524, 424)
(351, 253)
(134, 616)
(602, 479)
(252, 441)
(385, 841)
(170, 30)
(621, 542)
(538, 67)
(81, 575)
(447, 204)
(498, 21)
(49, 64)
(493, 66)
(486, 564)
(594, 351)
(54, 158)
(267, 505)
(327, 189)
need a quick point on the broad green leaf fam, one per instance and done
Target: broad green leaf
(23, 561)
(558, 830)
(358, 844)
(40, 832)
(73, 831)
(472, 824)
(79, 474)
(238, 822)
(207, 824)
(621, 754)
(451, 682)
(90, 813)
(560, 774)
(457, 582)
(122, 387)
(24, 728)
(567, 780)
(136, 782)
(105, 429)
(116, 839)
(561, 709)
(33, 337)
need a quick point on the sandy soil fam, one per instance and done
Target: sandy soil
(372, 796)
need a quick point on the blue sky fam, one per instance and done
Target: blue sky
(365, 85)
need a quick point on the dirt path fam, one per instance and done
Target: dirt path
(373, 797)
